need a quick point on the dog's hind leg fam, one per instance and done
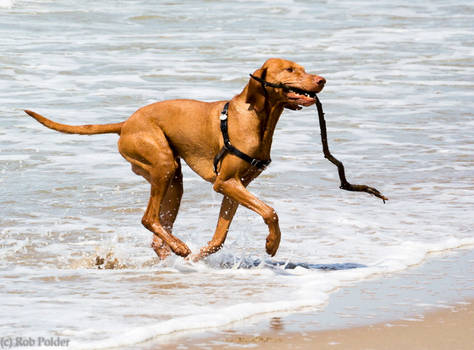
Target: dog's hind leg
(152, 222)
(172, 199)
(152, 157)
(168, 211)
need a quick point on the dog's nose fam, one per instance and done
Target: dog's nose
(320, 80)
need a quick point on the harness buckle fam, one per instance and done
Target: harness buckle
(224, 112)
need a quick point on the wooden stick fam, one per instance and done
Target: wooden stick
(345, 185)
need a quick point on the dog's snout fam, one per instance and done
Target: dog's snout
(320, 80)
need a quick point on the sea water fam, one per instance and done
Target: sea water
(75, 262)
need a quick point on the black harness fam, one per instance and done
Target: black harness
(228, 148)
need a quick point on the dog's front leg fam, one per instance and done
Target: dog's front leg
(234, 189)
(228, 209)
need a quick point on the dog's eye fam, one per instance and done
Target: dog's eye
(289, 70)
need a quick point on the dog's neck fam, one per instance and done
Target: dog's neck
(263, 122)
(269, 118)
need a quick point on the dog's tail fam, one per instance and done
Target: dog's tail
(114, 128)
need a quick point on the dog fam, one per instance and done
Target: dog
(227, 143)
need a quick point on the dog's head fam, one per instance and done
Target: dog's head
(296, 87)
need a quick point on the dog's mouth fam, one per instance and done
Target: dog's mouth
(298, 98)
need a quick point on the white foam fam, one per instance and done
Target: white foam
(211, 319)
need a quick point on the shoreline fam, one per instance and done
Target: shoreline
(438, 330)
(417, 308)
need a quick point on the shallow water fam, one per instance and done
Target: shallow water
(398, 105)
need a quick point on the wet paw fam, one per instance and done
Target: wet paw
(181, 250)
(161, 249)
(272, 244)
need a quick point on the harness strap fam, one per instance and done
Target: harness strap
(267, 83)
(228, 148)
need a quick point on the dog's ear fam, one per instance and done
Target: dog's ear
(255, 91)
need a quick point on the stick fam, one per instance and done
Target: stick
(345, 185)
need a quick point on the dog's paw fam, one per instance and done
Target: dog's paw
(181, 250)
(272, 244)
(161, 249)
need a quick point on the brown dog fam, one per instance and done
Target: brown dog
(156, 137)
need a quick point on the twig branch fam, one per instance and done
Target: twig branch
(345, 185)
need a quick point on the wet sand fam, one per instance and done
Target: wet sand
(447, 329)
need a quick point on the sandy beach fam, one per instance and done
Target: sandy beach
(447, 329)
